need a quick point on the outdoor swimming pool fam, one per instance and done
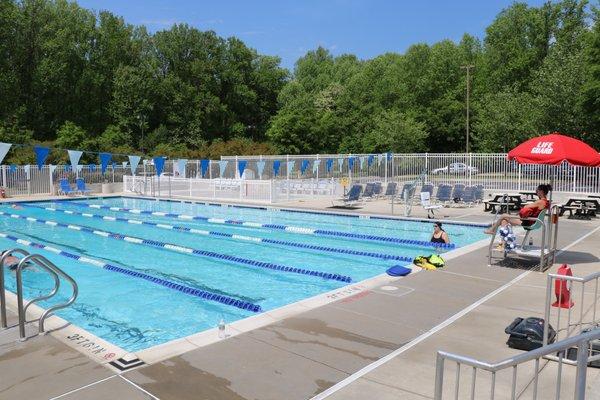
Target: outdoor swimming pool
(152, 271)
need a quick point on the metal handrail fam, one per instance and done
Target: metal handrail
(7, 253)
(46, 264)
(581, 342)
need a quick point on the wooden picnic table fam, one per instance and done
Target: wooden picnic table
(505, 201)
(583, 207)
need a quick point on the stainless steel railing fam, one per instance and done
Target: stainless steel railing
(583, 291)
(582, 342)
(45, 264)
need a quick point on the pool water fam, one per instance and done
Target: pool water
(223, 251)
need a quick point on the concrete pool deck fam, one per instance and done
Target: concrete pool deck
(303, 355)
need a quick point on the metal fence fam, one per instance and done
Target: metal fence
(493, 171)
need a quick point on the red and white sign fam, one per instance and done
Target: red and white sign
(543, 148)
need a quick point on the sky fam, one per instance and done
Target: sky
(288, 28)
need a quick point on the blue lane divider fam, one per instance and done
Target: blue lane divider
(250, 239)
(286, 228)
(185, 250)
(203, 294)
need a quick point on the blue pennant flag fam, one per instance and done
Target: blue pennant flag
(114, 165)
(204, 166)
(4, 147)
(159, 164)
(316, 166)
(260, 167)
(12, 168)
(92, 167)
(242, 167)
(290, 166)
(389, 156)
(41, 153)
(104, 160)
(74, 157)
(350, 163)
(222, 167)
(329, 164)
(276, 166)
(340, 163)
(303, 166)
(68, 168)
(370, 160)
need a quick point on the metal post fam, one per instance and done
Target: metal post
(468, 69)
(287, 170)
(547, 310)
(51, 181)
(469, 168)
(439, 377)
(582, 357)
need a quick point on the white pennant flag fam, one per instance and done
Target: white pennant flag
(27, 169)
(316, 166)
(4, 147)
(134, 161)
(74, 157)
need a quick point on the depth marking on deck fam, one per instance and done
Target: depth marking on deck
(370, 367)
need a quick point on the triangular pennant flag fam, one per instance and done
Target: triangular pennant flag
(134, 161)
(290, 166)
(340, 163)
(222, 167)
(260, 167)
(204, 166)
(124, 164)
(362, 162)
(114, 165)
(41, 153)
(27, 168)
(316, 166)
(389, 156)
(104, 160)
(144, 162)
(350, 163)
(4, 147)
(181, 163)
(92, 167)
(52, 168)
(159, 164)
(74, 156)
(68, 168)
(329, 164)
(242, 167)
(379, 158)
(370, 160)
(276, 166)
(12, 168)
(303, 166)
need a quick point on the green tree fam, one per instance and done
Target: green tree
(395, 132)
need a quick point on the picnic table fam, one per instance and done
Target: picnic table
(581, 207)
(505, 201)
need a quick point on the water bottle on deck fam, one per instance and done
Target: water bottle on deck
(221, 329)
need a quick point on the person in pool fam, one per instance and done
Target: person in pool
(531, 210)
(11, 262)
(439, 234)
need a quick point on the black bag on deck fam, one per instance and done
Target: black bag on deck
(528, 333)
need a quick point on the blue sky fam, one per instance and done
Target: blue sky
(289, 29)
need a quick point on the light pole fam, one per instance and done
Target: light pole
(142, 119)
(468, 69)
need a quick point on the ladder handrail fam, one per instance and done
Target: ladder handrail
(46, 265)
(7, 253)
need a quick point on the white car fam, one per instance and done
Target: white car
(455, 168)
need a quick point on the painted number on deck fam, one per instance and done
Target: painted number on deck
(85, 343)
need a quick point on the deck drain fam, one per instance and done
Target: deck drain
(388, 288)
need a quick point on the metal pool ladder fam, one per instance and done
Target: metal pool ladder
(46, 265)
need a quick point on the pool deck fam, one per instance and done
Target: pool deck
(463, 308)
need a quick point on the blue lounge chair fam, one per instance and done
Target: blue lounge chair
(444, 193)
(352, 198)
(468, 196)
(427, 187)
(458, 192)
(369, 192)
(65, 188)
(377, 189)
(390, 190)
(81, 186)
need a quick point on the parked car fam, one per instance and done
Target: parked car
(456, 168)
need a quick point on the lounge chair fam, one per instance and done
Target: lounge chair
(352, 198)
(458, 192)
(407, 193)
(468, 196)
(444, 193)
(426, 203)
(80, 183)
(390, 190)
(369, 192)
(377, 189)
(427, 187)
(64, 187)
(478, 193)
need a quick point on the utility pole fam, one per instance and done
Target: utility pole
(468, 69)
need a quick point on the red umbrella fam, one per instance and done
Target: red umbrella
(553, 149)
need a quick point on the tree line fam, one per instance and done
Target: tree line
(78, 79)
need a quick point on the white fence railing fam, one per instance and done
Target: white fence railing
(493, 171)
